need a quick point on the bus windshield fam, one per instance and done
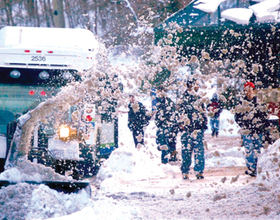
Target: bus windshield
(17, 99)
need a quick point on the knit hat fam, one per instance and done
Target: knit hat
(249, 84)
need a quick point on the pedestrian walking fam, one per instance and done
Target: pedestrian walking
(252, 118)
(138, 118)
(166, 120)
(214, 111)
(193, 124)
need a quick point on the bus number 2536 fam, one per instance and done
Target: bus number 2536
(38, 58)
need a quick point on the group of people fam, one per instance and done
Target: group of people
(189, 117)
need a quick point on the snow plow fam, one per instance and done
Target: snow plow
(76, 149)
(44, 124)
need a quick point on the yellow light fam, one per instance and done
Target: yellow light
(64, 132)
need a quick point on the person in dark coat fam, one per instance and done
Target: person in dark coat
(138, 118)
(166, 120)
(214, 111)
(252, 118)
(193, 124)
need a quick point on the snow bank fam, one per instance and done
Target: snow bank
(28, 171)
(27, 201)
(228, 126)
(269, 165)
(131, 164)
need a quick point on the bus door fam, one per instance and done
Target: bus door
(6, 135)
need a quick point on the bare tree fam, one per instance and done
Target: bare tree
(8, 9)
(58, 15)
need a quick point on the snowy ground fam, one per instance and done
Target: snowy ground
(132, 184)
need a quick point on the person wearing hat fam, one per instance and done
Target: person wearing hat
(193, 124)
(138, 118)
(252, 118)
(214, 110)
(166, 117)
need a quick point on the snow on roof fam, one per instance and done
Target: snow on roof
(267, 16)
(265, 6)
(264, 10)
(208, 6)
(238, 15)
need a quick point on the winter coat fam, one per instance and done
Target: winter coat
(192, 113)
(214, 108)
(166, 114)
(251, 116)
(137, 116)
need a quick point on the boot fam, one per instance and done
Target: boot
(199, 176)
(185, 176)
(213, 132)
(173, 156)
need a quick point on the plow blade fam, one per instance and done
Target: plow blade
(66, 187)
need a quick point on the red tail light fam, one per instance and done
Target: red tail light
(31, 92)
(88, 118)
(43, 93)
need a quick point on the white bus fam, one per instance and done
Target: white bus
(45, 54)
(34, 64)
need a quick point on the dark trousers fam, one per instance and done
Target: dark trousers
(138, 137)
(163, 141)
(192, 143)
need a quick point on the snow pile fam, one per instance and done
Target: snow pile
(227, 125)
(225, 158)
(26, 201)
(269, 165)
(103, 209)
(28, 171)
(129, 164)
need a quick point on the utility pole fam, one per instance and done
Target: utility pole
(58, 14)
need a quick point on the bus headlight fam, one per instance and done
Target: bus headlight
(66, 132)
(67, 76)
(44, 75)
(15, 74)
